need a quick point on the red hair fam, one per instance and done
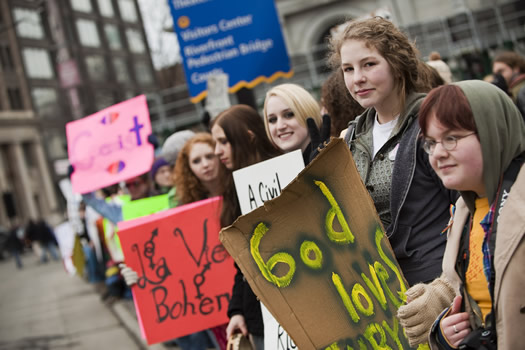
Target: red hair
(451, 108)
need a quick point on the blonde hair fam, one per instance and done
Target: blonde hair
(300, 101)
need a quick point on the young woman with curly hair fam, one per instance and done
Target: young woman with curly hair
(198, 172)
(382, 72)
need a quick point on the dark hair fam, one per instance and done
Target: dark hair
(339, 104)
(189, 187)
(451, 108)
(511, 59)
(395, 47)
(429, 76)
(244, 129)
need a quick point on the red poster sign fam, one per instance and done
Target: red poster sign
(185, 274)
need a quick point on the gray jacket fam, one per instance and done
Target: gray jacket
(419, 203)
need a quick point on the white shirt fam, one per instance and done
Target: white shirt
(381, 133)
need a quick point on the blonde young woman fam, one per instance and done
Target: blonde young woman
(287, 108)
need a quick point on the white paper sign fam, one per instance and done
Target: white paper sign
(263, 181)
(255, 185)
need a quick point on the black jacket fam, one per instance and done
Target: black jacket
(244, 302)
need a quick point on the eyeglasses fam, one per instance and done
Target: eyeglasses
(448, 142)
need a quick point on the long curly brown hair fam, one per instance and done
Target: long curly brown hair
(188, 186)
(400, 53)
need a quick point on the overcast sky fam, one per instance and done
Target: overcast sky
(158, 25)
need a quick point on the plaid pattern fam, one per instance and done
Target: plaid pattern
(486, 224)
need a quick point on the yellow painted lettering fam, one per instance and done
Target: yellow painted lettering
(266, 268)
(333, 346)
(343, 237)
(374, 285)
(393, 333)
(370, 332)
(358, 291)
(336, 279)
(308, 247)
(401, 293)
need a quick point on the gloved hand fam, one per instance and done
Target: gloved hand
(318, 138)
(70, 170)
(130, 276)
(500, 82)
(424, 304)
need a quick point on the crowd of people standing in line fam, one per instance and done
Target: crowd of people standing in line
(422, 145)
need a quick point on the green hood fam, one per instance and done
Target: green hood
(501, 131)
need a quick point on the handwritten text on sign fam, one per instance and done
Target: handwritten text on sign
(110, 145)
(255, 185)
(185, 274)
(316, 255)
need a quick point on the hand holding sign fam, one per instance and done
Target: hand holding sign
(110, 145)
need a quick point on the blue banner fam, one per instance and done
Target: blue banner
(240, 38)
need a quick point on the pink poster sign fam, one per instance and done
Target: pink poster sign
(110, 146)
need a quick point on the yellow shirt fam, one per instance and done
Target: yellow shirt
(476, 282)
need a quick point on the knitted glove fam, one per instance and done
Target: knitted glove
(130, 276)
(425, 303)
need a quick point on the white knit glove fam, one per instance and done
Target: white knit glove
(130, 276)
(425, 303)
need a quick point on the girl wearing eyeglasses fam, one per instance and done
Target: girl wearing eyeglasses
(383, 74)
(477, 147)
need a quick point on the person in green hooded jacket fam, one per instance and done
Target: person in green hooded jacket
(476, 146)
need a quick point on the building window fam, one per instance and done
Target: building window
(15, 98)
(37, 63)
(96, 67)
(121, 69)
(143, 72)
(106, 8)
(6, 59)
(87, 33)
(128, 12)
(81, 5)
(28, 23)
(113, 36)
(56, 143)
(129, 94)
(104, 99)
(135, 41)
(45, 101)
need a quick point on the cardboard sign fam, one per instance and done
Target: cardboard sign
(185, 274)
(242, 39)
(263, 181)
(318, 259)
(110, 146)
(255, 185)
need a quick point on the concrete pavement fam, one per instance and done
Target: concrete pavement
(42, 307)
